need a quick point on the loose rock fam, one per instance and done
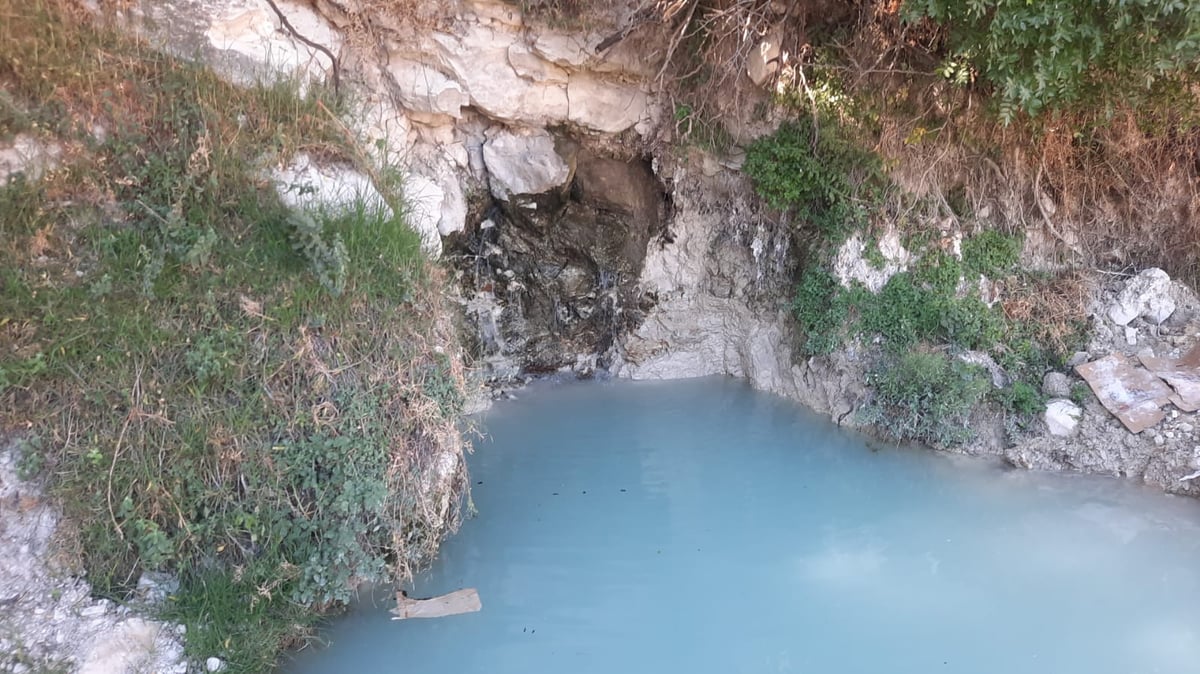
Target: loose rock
(1062, 417)
(1147, 295)
(1056, 385)
(522, 163)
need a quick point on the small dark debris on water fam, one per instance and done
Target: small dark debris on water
(554, 494)
(622, 491)
(584, 491)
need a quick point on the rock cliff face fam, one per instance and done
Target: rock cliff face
(541, 167)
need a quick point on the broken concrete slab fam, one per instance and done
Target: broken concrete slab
(1135, 396)
(454, 603)
(1183, 374)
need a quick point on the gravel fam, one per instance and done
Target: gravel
(49, 620)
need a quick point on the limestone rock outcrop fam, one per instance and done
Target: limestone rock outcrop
(535, 164)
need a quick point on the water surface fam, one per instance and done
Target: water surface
(702, 527)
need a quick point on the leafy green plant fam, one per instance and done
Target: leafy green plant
(341, 480)
(31, 458)
(873, 254)
(921, 395)
(698, 127)
(939, 271)
(1051, 55)
(19, 372)
(991, 253)
(1080, 393)
(242, 618)
(969, 323)
(326, 255)
(822, 176)
(922, 305)
(208, 359)
(926, 397)
(438, 383)
(821, 310)
(1021, 398)
(904, 312)
(21, 205)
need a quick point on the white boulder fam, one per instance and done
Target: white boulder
(532, 67)
(522, 162)
(1056, 385)
(305, 185)
(478, 60)
(1062, 417)
(1147, 295)
(851, 264)
(424, 199)
(561, 49)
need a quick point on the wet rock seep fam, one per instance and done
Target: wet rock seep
(550, 272)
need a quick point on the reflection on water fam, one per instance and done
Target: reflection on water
(702, 527)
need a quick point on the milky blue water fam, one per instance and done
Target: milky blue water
(700, 527)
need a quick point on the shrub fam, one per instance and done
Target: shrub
(1021, 398)
(925, 397)
(917, 306)
(991, 253)
(939, 271)
(904, 312)
(1051, 55)
(326, 254)
(821, 310)
(969, 323)
(819, 174)
(1080, 393)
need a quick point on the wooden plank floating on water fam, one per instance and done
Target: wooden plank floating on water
(454, 603)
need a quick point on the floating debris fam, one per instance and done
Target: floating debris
(454, 603)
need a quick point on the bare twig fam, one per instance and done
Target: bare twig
(135, 400)
(1037, 198)
(334, 67)
(675, 40)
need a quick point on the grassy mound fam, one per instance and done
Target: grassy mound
(260, 401)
